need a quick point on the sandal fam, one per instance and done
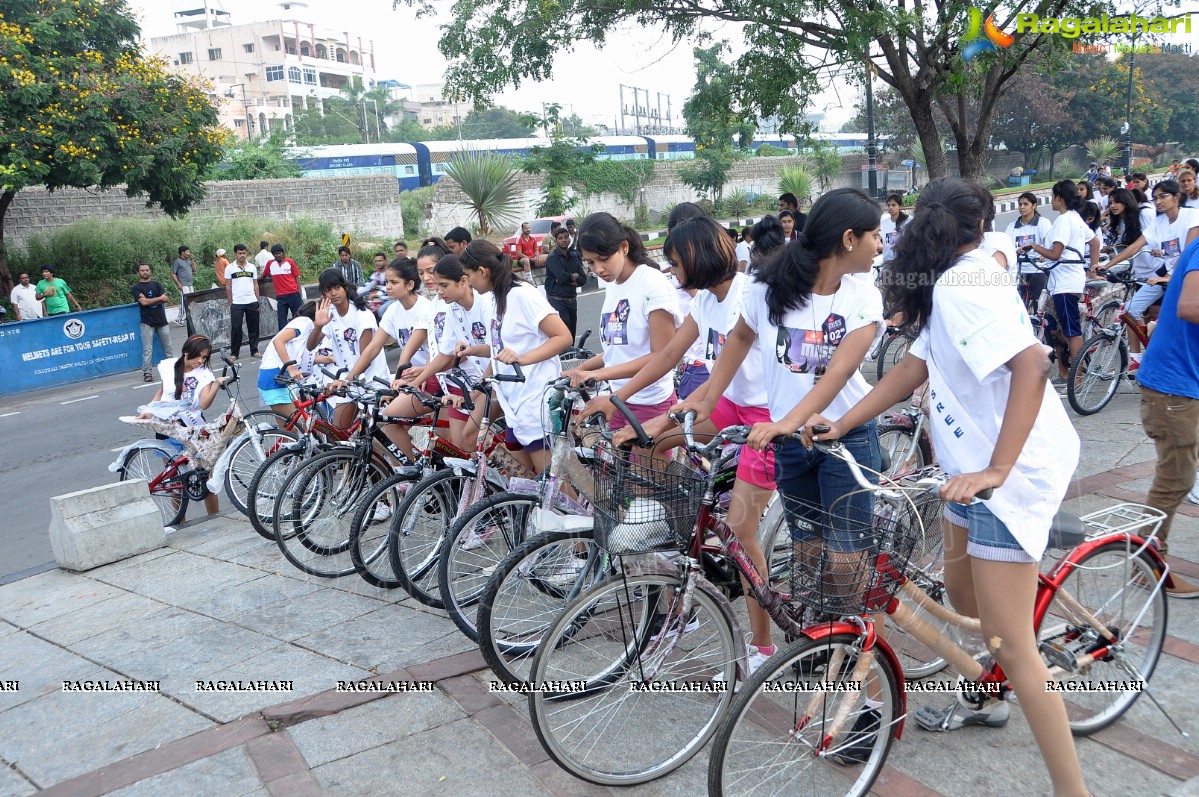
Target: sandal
(147, 378)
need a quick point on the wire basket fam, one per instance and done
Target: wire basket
(850, 560)
(643, 504)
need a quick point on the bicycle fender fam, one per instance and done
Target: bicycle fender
(460, 466)
(118, 463)
(823, 630)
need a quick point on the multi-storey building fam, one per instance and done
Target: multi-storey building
(436, 110)
(265, 71)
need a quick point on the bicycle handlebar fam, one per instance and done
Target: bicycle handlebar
(643, 440)
(519, 376)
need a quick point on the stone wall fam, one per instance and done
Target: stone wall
(368, 203)
(753, 175)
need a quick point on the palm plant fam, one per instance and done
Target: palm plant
(489, 181)
(736, 202)
(1103, 149)
(917, 152)
(795, 179)
(826, 166)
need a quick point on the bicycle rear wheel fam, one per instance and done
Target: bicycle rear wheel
(906, 453)
(418, 530)
(1096, 373)
(891, 352)
(525, 595)
(169, 495)
(262, 438)
(1124, 595)
(369, 530)
(775, 737)
(263, 491)
(629, 719)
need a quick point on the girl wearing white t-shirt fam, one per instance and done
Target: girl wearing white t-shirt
(1030, 227)
(188, 378)
(703, 259)
(407, 322)
(996, 244)
(290, 345)
(995, 425)
(639, 316)
(525, 331)
(343, 321)
(1068, 238)
(892, 224)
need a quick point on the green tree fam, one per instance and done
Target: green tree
(262, 158)
(573, 126)
(83, 106)
(1035, 118)
(496, 122)
(826, 164)
(560, 162)
(489, 181)
(798, 46)
(714, 122)
(1172, 78)
(311, 127)
(710, 170)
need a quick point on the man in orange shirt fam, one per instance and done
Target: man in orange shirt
(222, 263)
(526, 248)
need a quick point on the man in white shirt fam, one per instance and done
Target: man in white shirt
(263, 257)
(241, 289)
(24, 300)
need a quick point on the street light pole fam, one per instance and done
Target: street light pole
(871, 143)
(245, 106)
(1128, 112)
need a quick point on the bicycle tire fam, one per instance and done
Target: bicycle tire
(147, 463)
(1109, 590)
(524, 596)
(749, 754)
(263, 491)
(907, 454)
(418, 531)
(615, 651)
(774, 537)
(891, 352)
(244, 455)
(370, 531)
(1101, 365)
(1107, 315)
(500, 523)
(316, 506)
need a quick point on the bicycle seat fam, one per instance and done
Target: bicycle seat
(1067, 531)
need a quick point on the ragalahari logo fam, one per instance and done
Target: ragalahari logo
(983, 37)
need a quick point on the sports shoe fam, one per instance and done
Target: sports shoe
(474, 538)
(381, 512)
(673, 631)
(970, 708)
(855, 748)
(1193, 495)
(754, 658)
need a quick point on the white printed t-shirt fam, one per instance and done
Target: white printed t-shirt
(890, 235)
(1070, 230)
(716, 320)
(297, 347)
(519, 330)
(470, 327)
(400, 323)
(974, 329)
(993, 242)
(624, 325)
(1025, 234)
(241, 281)
(344, 337)
(193, 386)
(1170, 238)
(807, 339)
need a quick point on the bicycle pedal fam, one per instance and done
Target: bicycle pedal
(1057, 655)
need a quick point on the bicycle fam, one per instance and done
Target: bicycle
(801, 719)
(1102, 362)
(892, 348)
(175, 470)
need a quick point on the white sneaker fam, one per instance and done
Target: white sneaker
(754, 658)
(381, 512)
(548, 520)
(673, 631)
(1193, 495)
(475, 539)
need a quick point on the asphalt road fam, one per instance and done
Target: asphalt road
(62, 439)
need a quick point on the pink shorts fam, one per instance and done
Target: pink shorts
(454, 413)
(754, 467)
(642, 412)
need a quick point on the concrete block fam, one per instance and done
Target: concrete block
(95, 527)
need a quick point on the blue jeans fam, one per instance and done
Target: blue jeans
(821, 498)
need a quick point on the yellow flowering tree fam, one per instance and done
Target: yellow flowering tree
(81, 105)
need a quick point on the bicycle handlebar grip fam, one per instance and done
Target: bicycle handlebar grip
(643, 440)
(583, 340)
(591, 420)
(519, 376)
(821, 429)
(468, 403)
(401, 368)
(985, 495)
(382, 381)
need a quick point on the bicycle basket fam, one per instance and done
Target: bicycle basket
(643, 504)
(849, 559)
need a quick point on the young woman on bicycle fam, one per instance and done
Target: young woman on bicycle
(639, 316)
(997, 426)
(1190, 192)
(892, 224)
(407, 322)
(344, 323)
(702, 258)
(188, 379)
(525, 331)
(694, 371)
(290, 345)
(1030, 228)
(1068, 237)
(768, 240)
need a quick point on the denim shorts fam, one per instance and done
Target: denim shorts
(821, 498)
(987, 536)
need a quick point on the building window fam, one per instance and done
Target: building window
(310, 76)
(185, 58)
(293, 75)
(239, 123)
(249, 47)
(214, 53)
(428, 121)
(274, 73)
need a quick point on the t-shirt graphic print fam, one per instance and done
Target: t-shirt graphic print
(803, 351)
(616, 325)
(715, 344)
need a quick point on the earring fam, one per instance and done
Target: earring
(851, 248)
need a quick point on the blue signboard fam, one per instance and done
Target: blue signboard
(70, 348)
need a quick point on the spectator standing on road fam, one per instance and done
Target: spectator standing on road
(564, 274)
(351, 269)
(1169, 379)
(456, 240)
(183, 272)
(25, 300)
(218, 266)
(285, 276)
(151, 298)
(241, 289)
(263, 257)
(526, 252)
(787, 218)
(56, 293)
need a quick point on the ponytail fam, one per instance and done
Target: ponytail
(482, 254)
(1067, 191)
(603, 234)
(948, 221)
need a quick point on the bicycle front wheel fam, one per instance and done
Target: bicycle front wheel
(905, 453)
(263, 492)
(262, 437)
(169, 495)
(776, 739)
(1123, 594)
(369, 530)
(893, 350)
(646, 696)
(418, 530)
(1096, 373)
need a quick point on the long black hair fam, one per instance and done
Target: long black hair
(902, 218)
(789, 275)
(432, 247)
(683, 211)
(767, 235)
(449, 267)
(482, 253)
(603, 234)
(950, 212)
(405, 269)
(1067, 191)
(1131, 216)
(192, 347)
(331, 278)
